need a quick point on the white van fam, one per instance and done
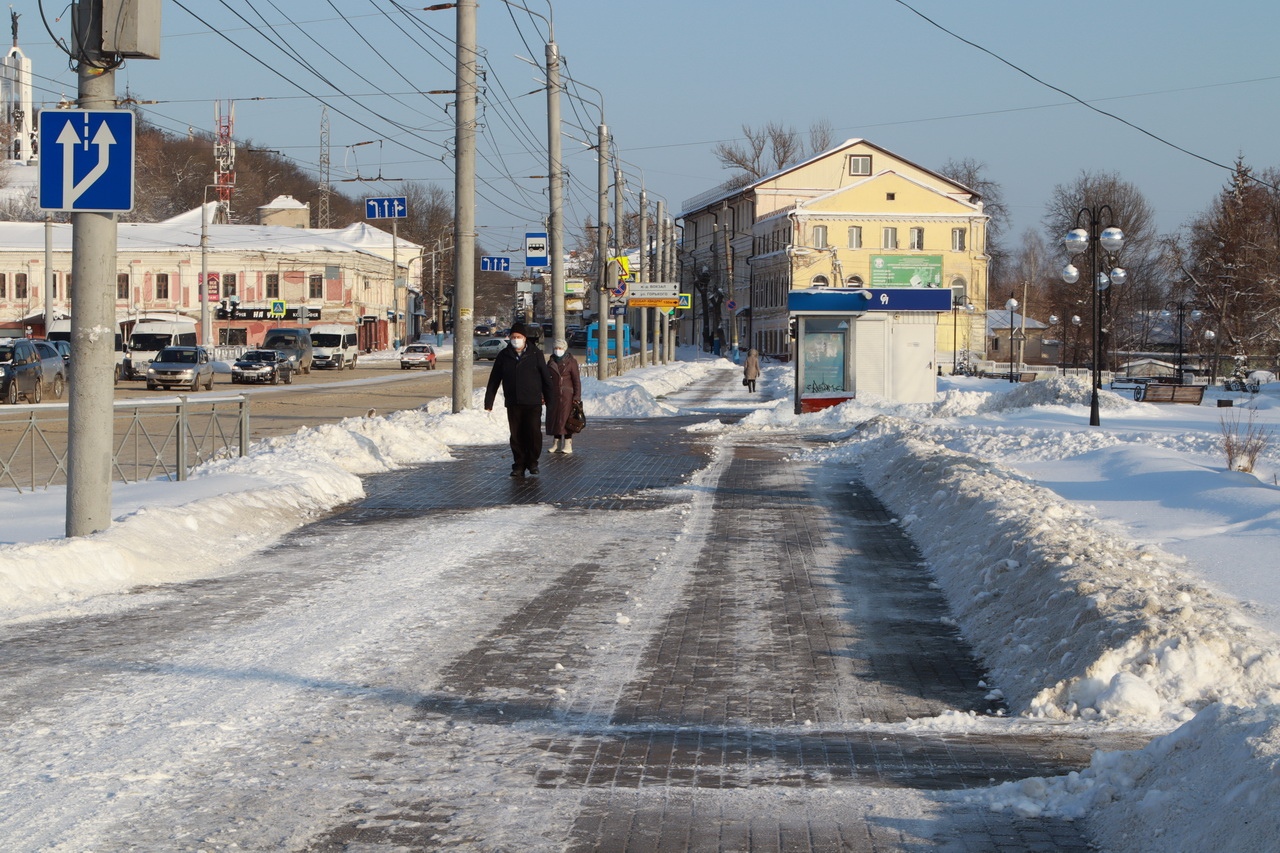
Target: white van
(334, 346)
(60, 330)
(150, 336)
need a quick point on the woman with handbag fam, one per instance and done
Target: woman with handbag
(566, 381)
(751, 370)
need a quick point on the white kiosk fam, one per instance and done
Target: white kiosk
(879, 341)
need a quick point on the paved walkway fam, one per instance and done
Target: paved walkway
(748, 721)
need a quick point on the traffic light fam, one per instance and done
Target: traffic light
(793, 327)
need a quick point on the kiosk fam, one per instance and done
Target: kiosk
(879, 341)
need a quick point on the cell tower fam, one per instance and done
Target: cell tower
(15, 92)
(224, 159)
(322, 216)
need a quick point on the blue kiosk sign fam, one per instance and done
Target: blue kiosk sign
(873, 339)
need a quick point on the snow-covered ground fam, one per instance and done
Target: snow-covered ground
(1110, 576)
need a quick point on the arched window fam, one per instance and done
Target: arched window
(854, 281)
(819, 281)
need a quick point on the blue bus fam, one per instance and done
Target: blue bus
(593, 348)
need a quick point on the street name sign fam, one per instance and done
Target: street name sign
(86, 160)
(389, 207)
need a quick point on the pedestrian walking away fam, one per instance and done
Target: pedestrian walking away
(522, 373)
(566, 381)
(751, 370)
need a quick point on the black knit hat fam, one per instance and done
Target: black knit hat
(519, 329)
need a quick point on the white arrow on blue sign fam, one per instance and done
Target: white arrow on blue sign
(86, 160)
(391, 207)
(495, 263)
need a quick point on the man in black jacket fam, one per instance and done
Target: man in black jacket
(526, 382)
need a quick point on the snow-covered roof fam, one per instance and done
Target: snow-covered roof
(999, 319)
(183, 232)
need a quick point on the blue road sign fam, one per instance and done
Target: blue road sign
(535, 249)
(494, 263)
(391, 207)
(86, 160)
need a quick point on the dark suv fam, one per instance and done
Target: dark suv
(20, 371)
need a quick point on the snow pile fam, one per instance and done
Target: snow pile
(245, 504)
(1054, 391)
(1210, 785)
(1071, 620)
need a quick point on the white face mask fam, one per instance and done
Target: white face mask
(558, 351)
(518, 343)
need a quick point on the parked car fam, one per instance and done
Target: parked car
(418, 355)
(488, 348)
(64, 349)
(20, 371)
(53, 370)
(295, 342)
(263, 365)
(188, 367)
(577, 338)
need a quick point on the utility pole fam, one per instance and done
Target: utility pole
(602, 252)
(93, 267)
(619, 229)
(643, 275)
(464, 195)
(731, 320)
(555, 172)
(660, 315)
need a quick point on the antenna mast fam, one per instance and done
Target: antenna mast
(325, 187)
(224, 158)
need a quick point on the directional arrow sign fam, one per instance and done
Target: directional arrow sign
(86, 161)
(389, 207)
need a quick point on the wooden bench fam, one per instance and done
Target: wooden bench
(1159, 393)
(1021, 377)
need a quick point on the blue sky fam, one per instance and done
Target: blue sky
(680, 76)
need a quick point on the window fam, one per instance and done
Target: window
(819, 281)
(917, 239)
(66, 282)
(229, 285)
(315, 287)
(820, 236)
(855, 236)
(890, 240)
(4, 286)
(162, 285)
(859, 165)
(890, 196)
(122, 285)
(273, 285)
(20, 285)
(957, 239)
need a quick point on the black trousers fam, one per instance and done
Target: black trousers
(526, 435)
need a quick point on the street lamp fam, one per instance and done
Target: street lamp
(1087, 238)
(1182, 313)
(1012, 305)
(964, 302)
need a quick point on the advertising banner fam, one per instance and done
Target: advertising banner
(906, 271)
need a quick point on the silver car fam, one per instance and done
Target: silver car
(488, 348)
(181, 367)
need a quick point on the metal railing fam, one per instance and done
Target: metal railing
(151, 440)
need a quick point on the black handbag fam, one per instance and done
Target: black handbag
(577, 420)
(746, 381)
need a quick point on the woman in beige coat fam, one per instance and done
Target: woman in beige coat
(751, 370)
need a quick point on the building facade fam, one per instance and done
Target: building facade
(321, 275)
(855, 216)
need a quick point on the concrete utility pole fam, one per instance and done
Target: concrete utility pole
(660, 315)
(93, 328)
(643, 275)
(619, 229)
(602, 251)
(555, 172)
(464, 197)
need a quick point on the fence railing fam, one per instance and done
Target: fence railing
(151, 440)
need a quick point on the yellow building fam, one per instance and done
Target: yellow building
(854, 216)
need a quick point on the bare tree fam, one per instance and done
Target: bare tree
(765, 150)
(973, 174)
(1140, 256)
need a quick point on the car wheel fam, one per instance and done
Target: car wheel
(151, 386)
(275, 378)
(59, 384)
(195, 384)
(11, 396)
(37, 393)
(352, 366)
(116, 379)
(288, 378)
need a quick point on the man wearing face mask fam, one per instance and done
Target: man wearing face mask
(522, 373)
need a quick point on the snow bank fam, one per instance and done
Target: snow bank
(1072, 620)
(1210, 785)
(230, 508)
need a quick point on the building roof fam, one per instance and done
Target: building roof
(723, 192)
(999, 319)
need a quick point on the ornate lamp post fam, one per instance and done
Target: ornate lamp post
(1183, 310)
(1012, 305)
(1088, 235)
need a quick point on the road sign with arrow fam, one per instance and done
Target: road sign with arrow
(86, 160)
